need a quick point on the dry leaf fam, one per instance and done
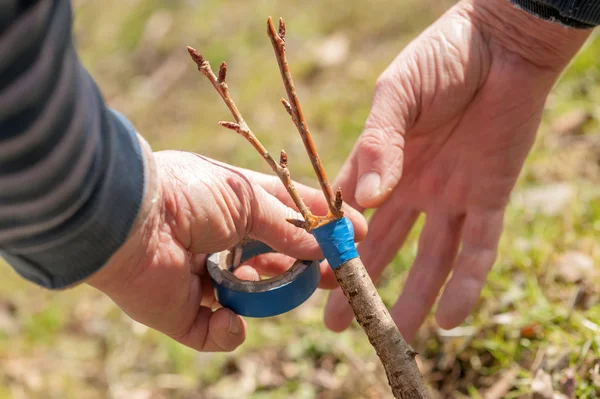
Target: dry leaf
(541, 386)
(574, 266)
(502, 386)
(571, 123)
(550, 200)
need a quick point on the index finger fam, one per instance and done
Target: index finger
(313, 198)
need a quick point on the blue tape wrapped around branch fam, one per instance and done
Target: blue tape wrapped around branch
(336, 240)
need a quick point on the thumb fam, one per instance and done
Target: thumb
(379, 152)
(269, 225)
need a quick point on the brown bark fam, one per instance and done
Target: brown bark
(397, 357)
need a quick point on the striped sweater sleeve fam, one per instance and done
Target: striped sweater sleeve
(71, 169)
(583, 14)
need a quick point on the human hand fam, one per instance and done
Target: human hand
(195, 206)
(452, 121)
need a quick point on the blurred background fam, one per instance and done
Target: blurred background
(537, 326)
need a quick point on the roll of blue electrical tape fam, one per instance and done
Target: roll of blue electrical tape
(263, 298)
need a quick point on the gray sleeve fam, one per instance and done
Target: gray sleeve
(573, 13)
(71, 170)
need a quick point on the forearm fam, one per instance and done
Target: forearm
(546, 45)
(72, 172)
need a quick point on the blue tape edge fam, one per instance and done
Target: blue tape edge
(273, 302)
(336, 240)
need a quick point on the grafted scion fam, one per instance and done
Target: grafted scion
(395, 354)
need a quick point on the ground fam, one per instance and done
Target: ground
(537, 325)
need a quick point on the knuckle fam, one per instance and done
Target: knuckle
(386, 86)
(241, 199)
(372, 142)
(382, 83)
(376, 140)
(481, 261)
(396, 95)
(390, 81)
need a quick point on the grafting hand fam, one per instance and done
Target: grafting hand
(453, 118)
(194, 206)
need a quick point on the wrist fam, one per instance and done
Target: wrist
(546, 45)
(138, 247)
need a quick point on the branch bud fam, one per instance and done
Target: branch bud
(338, 200)
(222, 72)
(283, 159)
(287, 106)
(196, 56)
(230, 125)
(281, 29)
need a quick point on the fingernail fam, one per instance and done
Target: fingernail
(246, 272)
(235, 324)
(369, 186)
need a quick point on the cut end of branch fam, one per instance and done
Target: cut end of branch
(196, 56)
(222, 72)
(283, 159)
(287, 106)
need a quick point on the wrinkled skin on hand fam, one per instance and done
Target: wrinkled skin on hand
(452, 121)
(194, 206)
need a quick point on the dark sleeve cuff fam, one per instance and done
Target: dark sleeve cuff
(72, 171)
(580, 14)
(76, 249)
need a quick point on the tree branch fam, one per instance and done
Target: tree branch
(295, 110)
(396, 355)
(241, 127)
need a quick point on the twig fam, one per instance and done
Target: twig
(241, 127)
(295, 110)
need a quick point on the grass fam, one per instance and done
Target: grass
(77, 344)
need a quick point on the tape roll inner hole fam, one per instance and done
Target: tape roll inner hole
(224, 263)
